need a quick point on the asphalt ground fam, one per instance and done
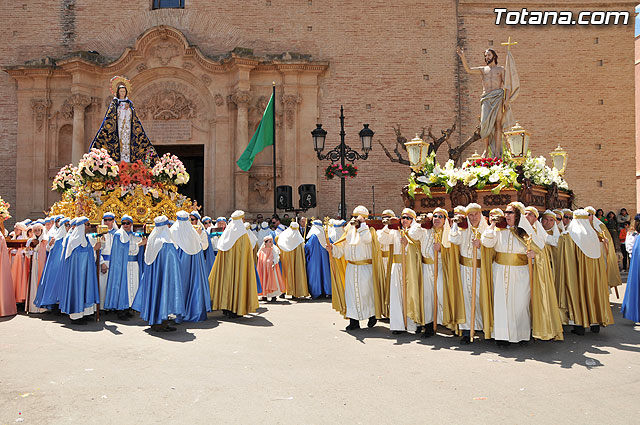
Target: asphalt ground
(293, 362)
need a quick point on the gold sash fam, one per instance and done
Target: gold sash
(466, 261)
(385, 254)
(360, 262)
(427, 260)
(397, 258)
(509, 259)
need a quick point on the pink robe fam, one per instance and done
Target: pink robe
(270, 274)
(20, 267)
(7, 292)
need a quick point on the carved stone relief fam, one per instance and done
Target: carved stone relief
(290, 102)
(165, 51)
(40, 109)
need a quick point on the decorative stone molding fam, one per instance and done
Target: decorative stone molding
(141, 67)
(206, 79)
(218, 99)
(40, 109)
(290, 102)
(168, 105)
(241, 97)
(188, 66)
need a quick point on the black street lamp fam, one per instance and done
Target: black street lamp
(342, 152)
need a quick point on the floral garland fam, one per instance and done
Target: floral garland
(4, 210)
(97, 165)
(496, 172)
(336, 170)
(67, 178)
(169, 169)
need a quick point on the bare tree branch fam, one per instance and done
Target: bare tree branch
(399, 159)
(456, 153)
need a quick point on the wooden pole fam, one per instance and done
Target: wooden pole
(436, 239)
(404, 280)
(472, 332)
(530, 265)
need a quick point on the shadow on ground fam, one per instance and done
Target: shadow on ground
(574, 350)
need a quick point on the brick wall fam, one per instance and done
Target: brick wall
(379, 54)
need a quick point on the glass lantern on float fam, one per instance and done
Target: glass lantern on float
(559, 158)
(418, 151)
(474, 157)
(517, 143)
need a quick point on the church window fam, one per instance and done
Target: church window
(167, 4)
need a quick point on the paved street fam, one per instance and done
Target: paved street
(293, 362)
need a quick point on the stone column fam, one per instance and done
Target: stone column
(79, 102)
(241, 98)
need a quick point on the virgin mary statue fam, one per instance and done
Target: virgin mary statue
(121, 132)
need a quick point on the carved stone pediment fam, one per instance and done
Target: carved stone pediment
(168, 101)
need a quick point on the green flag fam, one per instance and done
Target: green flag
(262, 138)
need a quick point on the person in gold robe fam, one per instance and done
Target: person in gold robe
(610, 256)
(583, 274)
(294, 263)
(232, 280)
(546, 321)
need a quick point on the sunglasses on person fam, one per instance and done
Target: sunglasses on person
(439, 216)
(567, 216)
(193, 220)
(406, 217)
(558, 218)
(509, 212)
(126, 223)
(107, 219)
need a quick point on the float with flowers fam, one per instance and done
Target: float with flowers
(140, 189)
(490, 182)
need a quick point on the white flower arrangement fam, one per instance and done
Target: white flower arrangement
(97, 165)
(170, 169)
(481, 172)
(67, 178)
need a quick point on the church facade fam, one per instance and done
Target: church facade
(202, 76)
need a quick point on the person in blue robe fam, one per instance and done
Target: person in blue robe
(124, 270)
(631, 303)
(318, 265)
(51, 279)
(160, 294)
(80, 292)
(205, 236)
(195, 286)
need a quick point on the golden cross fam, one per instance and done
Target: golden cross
(509, 43)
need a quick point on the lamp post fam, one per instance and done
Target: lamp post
(342, 152)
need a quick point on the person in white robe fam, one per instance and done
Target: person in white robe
(468, 239)
(358, 283)
(396, 300)
(511, 285)
(106, 241)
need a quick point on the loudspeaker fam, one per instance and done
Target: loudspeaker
(284, 196)
(307, 195)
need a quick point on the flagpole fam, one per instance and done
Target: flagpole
(275, 196)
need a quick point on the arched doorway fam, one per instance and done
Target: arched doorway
(192, 156)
